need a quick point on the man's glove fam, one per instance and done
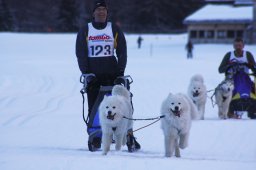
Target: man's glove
(231, 67)
(88, 80)
(91, 80)
(250, 66)
(120, 73)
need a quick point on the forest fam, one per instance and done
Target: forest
(133, 16)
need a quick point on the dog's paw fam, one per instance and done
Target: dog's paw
(177, 155)
(183, 145)
(118, 148)
(168, 155)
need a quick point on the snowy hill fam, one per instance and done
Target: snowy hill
(41, 126)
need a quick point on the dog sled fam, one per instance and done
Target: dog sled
(92, 120)
(244, 93)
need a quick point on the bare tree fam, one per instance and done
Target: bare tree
(68, 16)
(6, 20)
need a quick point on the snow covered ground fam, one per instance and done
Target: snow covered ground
(41, 125)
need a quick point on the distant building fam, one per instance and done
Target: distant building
(235, 2)
(220, 21)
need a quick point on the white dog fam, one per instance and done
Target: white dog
(198, 93)
(223, 96)
(111, 112)
(178, 111)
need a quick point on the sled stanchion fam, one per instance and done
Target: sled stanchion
(254, 75)
(255, 82)
(85, 79)
(82, 91)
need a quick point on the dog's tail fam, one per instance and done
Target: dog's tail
(121, 90)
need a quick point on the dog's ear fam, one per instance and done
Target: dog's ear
(170, 95)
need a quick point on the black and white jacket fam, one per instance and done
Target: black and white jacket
(111, 66)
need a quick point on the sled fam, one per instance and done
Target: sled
(244, 97)
(92, 120)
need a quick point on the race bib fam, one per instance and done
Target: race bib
(100, 42)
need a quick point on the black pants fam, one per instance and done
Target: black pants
(92, 94)
(189, 54)
(247, 104)
(94, 88)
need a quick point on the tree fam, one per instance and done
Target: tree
(6, 21)
(68, 16)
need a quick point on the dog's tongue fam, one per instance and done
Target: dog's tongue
(176, 113)
(195, 94)
(111, 117)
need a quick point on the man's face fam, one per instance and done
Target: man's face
(100, 14)
(238, 46)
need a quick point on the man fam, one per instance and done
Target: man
(95, 47)
(237, 56)
(236, 65)
(139, 40)
(189, 48)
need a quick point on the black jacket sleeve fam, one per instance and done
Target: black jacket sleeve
(82, 49)
(225, 63)
(121, 49)
(251, 62)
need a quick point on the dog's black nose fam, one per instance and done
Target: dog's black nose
(109, 112)
(176, 108)
(228, 89)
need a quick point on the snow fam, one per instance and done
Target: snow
(41, 125)
(222, 12)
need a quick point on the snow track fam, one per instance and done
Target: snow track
(41, 125)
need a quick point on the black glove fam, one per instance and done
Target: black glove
(91, 81)
(231, 67)
(250, 66)
(120, 73)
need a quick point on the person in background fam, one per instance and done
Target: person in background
(101, 50)
(139, 41)
(189, 48)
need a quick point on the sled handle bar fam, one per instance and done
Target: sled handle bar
(127, 77)
(84, 77)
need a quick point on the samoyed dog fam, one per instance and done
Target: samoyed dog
(111, 114)
(198, 93)
(223, 96)
(178, 111)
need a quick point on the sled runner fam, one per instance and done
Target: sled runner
(92, 120)
(244, 97)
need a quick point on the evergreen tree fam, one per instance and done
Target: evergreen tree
(159, 15)
(68, 16)
(6, 20)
